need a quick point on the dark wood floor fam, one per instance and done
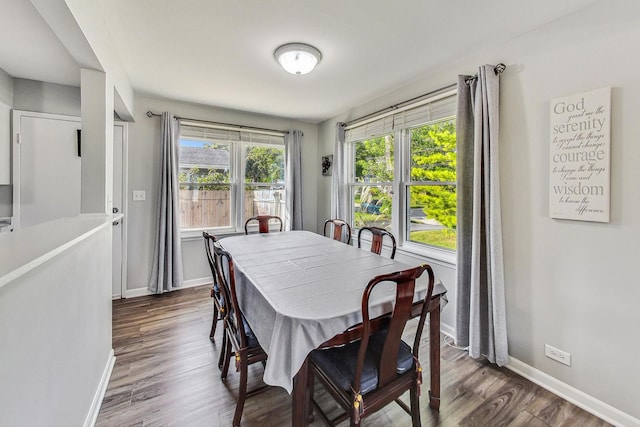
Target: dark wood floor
(166, 373)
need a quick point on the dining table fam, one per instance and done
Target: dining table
(300, 291)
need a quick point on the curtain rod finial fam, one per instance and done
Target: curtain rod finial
(149, 114)
(500, 68)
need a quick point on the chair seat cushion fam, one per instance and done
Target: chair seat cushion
(252, 341)
(339, 363)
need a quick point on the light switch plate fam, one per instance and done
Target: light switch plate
(139, 195)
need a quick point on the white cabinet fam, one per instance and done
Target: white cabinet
(5, 144)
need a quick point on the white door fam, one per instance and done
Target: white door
(47, 173)
(47, 170)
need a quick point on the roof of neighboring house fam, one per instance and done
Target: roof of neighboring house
(203, 157)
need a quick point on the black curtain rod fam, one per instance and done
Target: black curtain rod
(152, 114)
(498, 70)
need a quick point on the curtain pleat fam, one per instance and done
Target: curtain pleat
(293, 180)
(166, 273)
(480, 305)
(339, 193)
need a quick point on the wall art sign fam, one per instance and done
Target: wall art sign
(579, 156)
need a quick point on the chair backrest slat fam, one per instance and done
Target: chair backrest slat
(340, 229)
(263, 223)
(377, 237)
(209, 241)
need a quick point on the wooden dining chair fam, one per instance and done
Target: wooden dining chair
(378, 367)
(377, 238)
(340, 229)
(241, 343)
(219, 309)
(263, 223)
(218, 301)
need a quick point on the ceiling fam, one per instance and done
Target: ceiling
(220, 52)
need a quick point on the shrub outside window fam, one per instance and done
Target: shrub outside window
(431, 191)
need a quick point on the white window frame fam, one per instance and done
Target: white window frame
(237, 173)
(401, 178)
(435, 252)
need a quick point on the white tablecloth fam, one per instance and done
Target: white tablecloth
(298, 289)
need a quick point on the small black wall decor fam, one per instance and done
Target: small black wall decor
(327, 162)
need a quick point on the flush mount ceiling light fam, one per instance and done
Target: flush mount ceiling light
(298, 58)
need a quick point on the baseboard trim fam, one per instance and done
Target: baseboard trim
(571, 394)
(92, 416)
(138, 292)
(143, 291)
(195, 282)
(447, 330)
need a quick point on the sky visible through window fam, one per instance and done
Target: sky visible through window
(189, 143)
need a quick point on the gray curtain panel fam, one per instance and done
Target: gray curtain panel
(166, 273)
(339, 193)
(293, 180)
(480, 305)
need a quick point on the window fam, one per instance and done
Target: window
(227, 176)
(373, 182)
(401, 169)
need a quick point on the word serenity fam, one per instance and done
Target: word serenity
(578, 111)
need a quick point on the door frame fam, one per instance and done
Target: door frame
(124, 210)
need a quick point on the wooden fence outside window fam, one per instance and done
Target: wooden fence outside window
(212, 208)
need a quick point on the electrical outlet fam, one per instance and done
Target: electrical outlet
(557, 355)
(139, 195)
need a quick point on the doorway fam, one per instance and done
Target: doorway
(47, 175)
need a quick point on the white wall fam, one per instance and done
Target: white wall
(6, 88)
(42, 97)
(144, 159)
(55, 327)
(570, 284)
(6, 103)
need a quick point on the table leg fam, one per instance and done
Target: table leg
(434, 357)
(299, 397)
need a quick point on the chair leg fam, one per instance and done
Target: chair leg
(223, 349)
(242, 390)
(214, 323)
(310, 387)
(227, 357)
(415, 405)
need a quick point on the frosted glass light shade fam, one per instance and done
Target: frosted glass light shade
(298, 58)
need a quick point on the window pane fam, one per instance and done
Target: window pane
(205, 205)
(264, 200)
(372, 206)
(432, 215)
(433, 152)
(374, 160)
(204, 176)
(264, 164)
(431, 209)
